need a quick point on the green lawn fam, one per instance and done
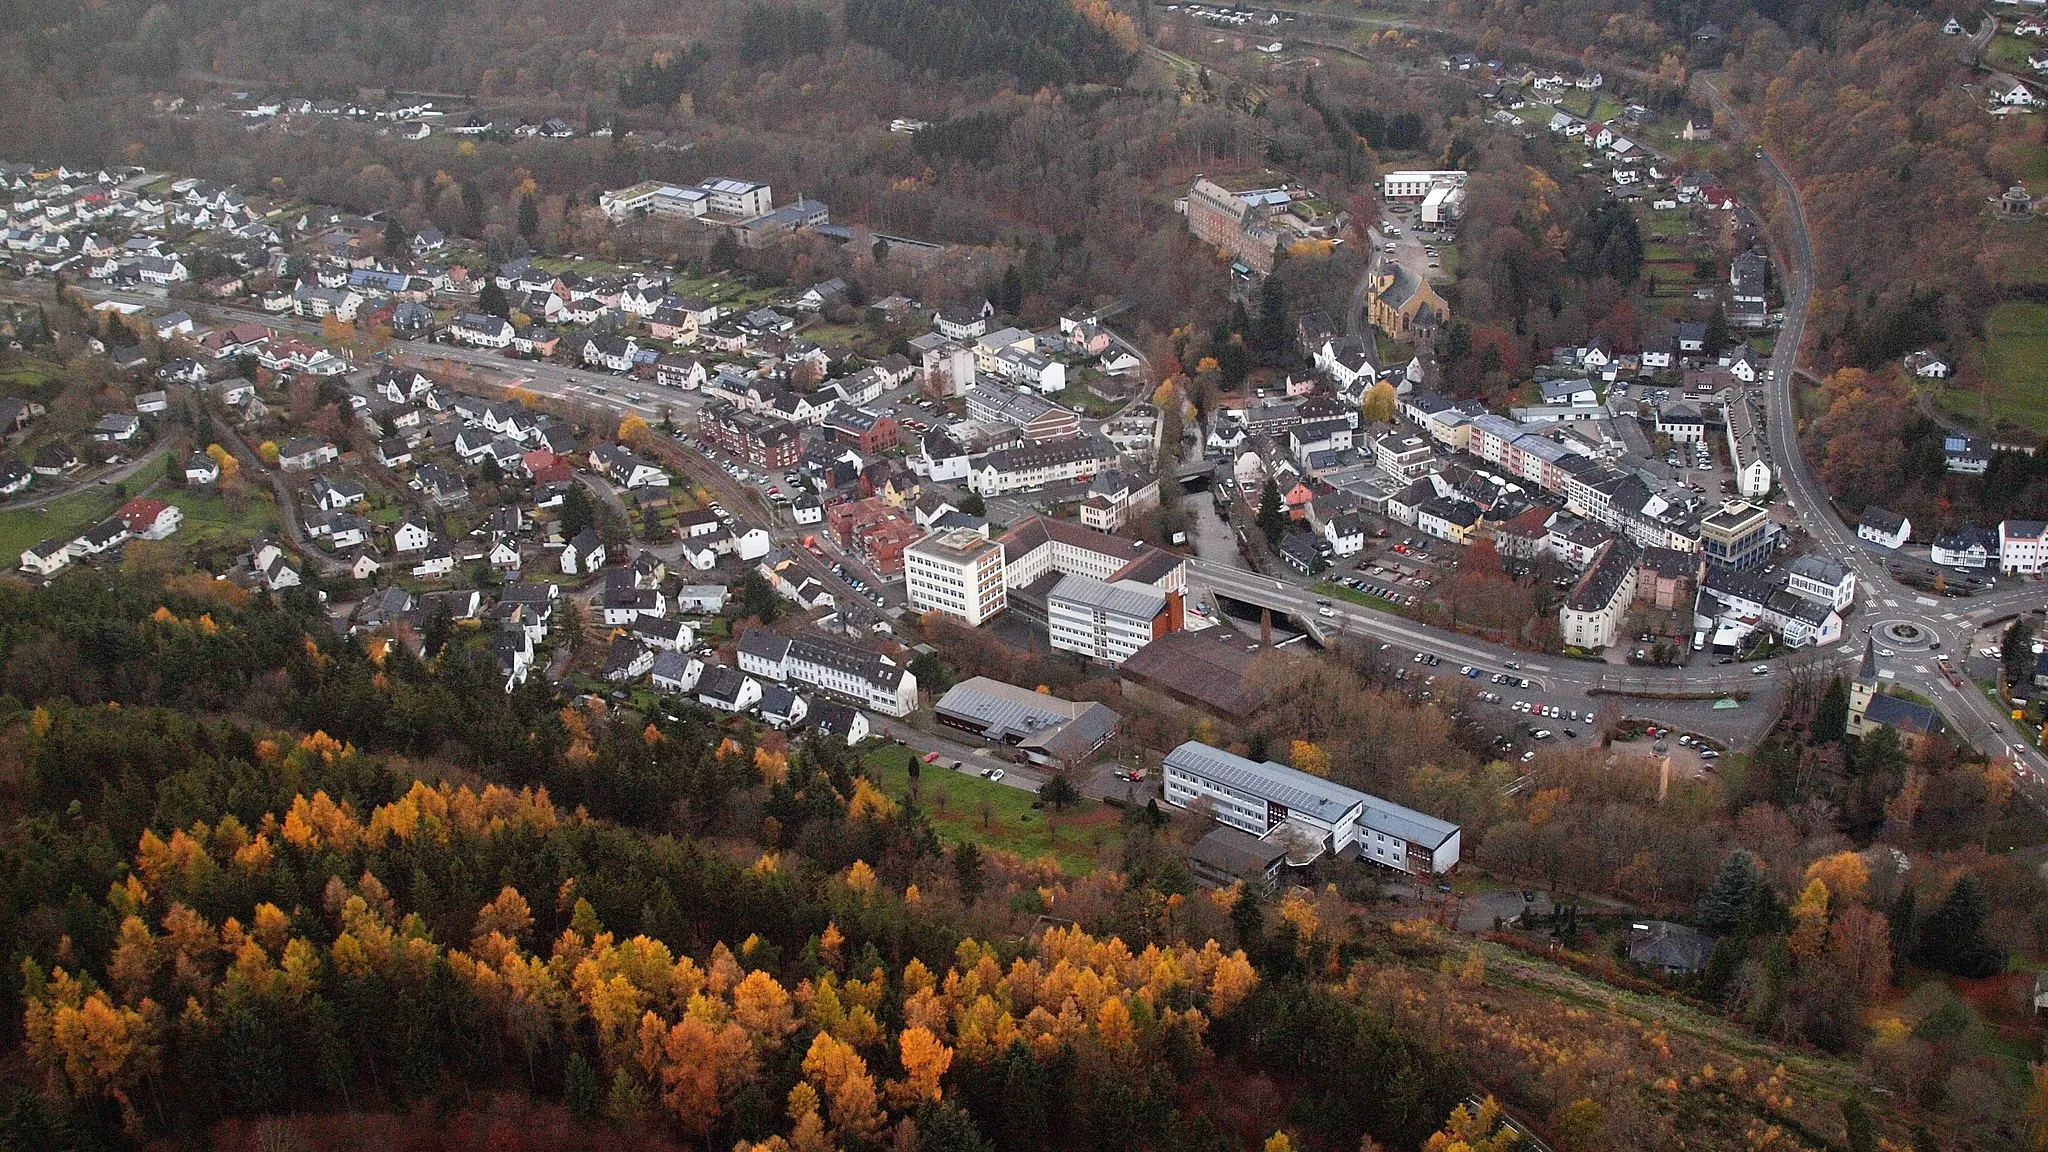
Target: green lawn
(30, 380)
(1671, 221)
(2016, 359)
(208, 516)
(956, 802)
(1363, 599)
(2010, 53)
(2034, 167)
(65, 518)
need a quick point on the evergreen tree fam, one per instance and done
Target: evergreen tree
(880, 250)
(1856, 1126)
(1831, 716)
(577, 512)
(491, 301)
(1902, 931)
(757, 598)
(1233, 363)
(967, 868)
(1059, 792)
(1272, 520)
(395, 239)
(1268, 337)
(1248, 920)
(2017, 652)
(1010, 291)
(1457, 342)
(529, 217)
(725, 252)
(1728, 902)
(1954, 940)
(943, 1127)
(579, 1088)
(1717, 333)
(439, 629)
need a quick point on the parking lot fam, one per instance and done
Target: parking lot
(1413, 245)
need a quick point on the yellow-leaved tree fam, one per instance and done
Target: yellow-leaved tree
(1310, 758)
(1809, 921)
(1379, 403)
(842, 1077)
(1474, 1130)
(925, 1060)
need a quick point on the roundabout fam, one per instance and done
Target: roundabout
(1905, 634)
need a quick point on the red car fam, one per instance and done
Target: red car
(931, 757)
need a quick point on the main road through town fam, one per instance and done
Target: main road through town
(1953, 624)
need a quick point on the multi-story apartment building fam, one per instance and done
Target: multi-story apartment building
(1109, 621)
(2022, 546)
(761, 441)
(958, 572)
(1593, 611)
(1036, 465)
(866, 678)
(1238, 226)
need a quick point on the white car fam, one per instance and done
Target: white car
(996, 775)
(1760, 670)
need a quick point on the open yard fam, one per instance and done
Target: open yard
(64, 517)
(2016, 359)
(999, 817)
(2010, 53)
(209, 517)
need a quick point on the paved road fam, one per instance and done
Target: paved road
(37, 497)
(1952, 623)
(1982, 725)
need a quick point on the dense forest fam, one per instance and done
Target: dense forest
(1040, 42)
(214, 916)
(1873, 444)
(253, 867)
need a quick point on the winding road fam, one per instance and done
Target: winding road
(1953, 624)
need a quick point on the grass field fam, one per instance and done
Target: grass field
(65, 517)
(208, 517)
(30, 380)
(1078, 839)
(2010, 53)
(2016, 359)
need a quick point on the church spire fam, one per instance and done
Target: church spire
(1869, 669)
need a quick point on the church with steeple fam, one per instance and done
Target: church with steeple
(1871, 709)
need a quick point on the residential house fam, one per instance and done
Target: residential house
(1882, 527)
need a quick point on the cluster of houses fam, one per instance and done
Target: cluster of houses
(1567, 479)
(67, 220)
(2012, 547)
(143, 518)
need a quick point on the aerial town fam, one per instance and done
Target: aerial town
(1258, 578)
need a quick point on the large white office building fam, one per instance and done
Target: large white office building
(1272, 799)
(957, 572)
(1105, 621)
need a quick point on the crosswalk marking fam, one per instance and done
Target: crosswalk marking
(1890, 603)
(1929, 601)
